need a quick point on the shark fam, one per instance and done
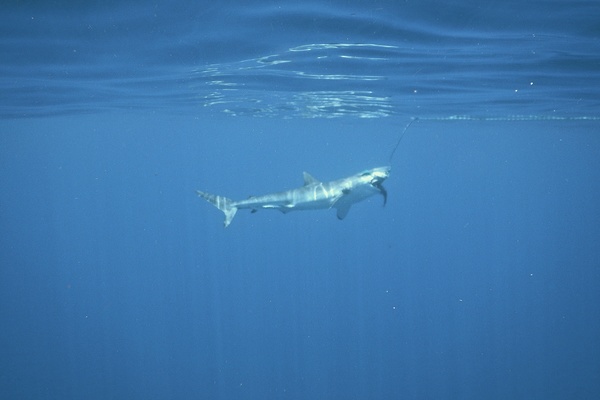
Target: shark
(340, 194)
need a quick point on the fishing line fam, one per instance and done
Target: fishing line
(400, 139)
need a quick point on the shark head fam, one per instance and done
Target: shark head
(375, 178)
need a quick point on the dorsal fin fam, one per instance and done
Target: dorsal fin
(309, 179)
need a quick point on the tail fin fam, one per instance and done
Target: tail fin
(222, 203)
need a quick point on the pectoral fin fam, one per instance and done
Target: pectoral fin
(342, 210)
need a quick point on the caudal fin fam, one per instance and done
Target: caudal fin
(222, 203)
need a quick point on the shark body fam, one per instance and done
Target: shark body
(340, 194)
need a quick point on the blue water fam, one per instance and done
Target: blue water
(478, 280)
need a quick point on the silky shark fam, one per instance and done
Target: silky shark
(314, 195)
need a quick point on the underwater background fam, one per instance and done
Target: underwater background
(478, 280)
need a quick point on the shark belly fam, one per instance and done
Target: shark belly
(310, 197)
(315, 197)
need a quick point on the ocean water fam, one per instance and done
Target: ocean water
(477, 280)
